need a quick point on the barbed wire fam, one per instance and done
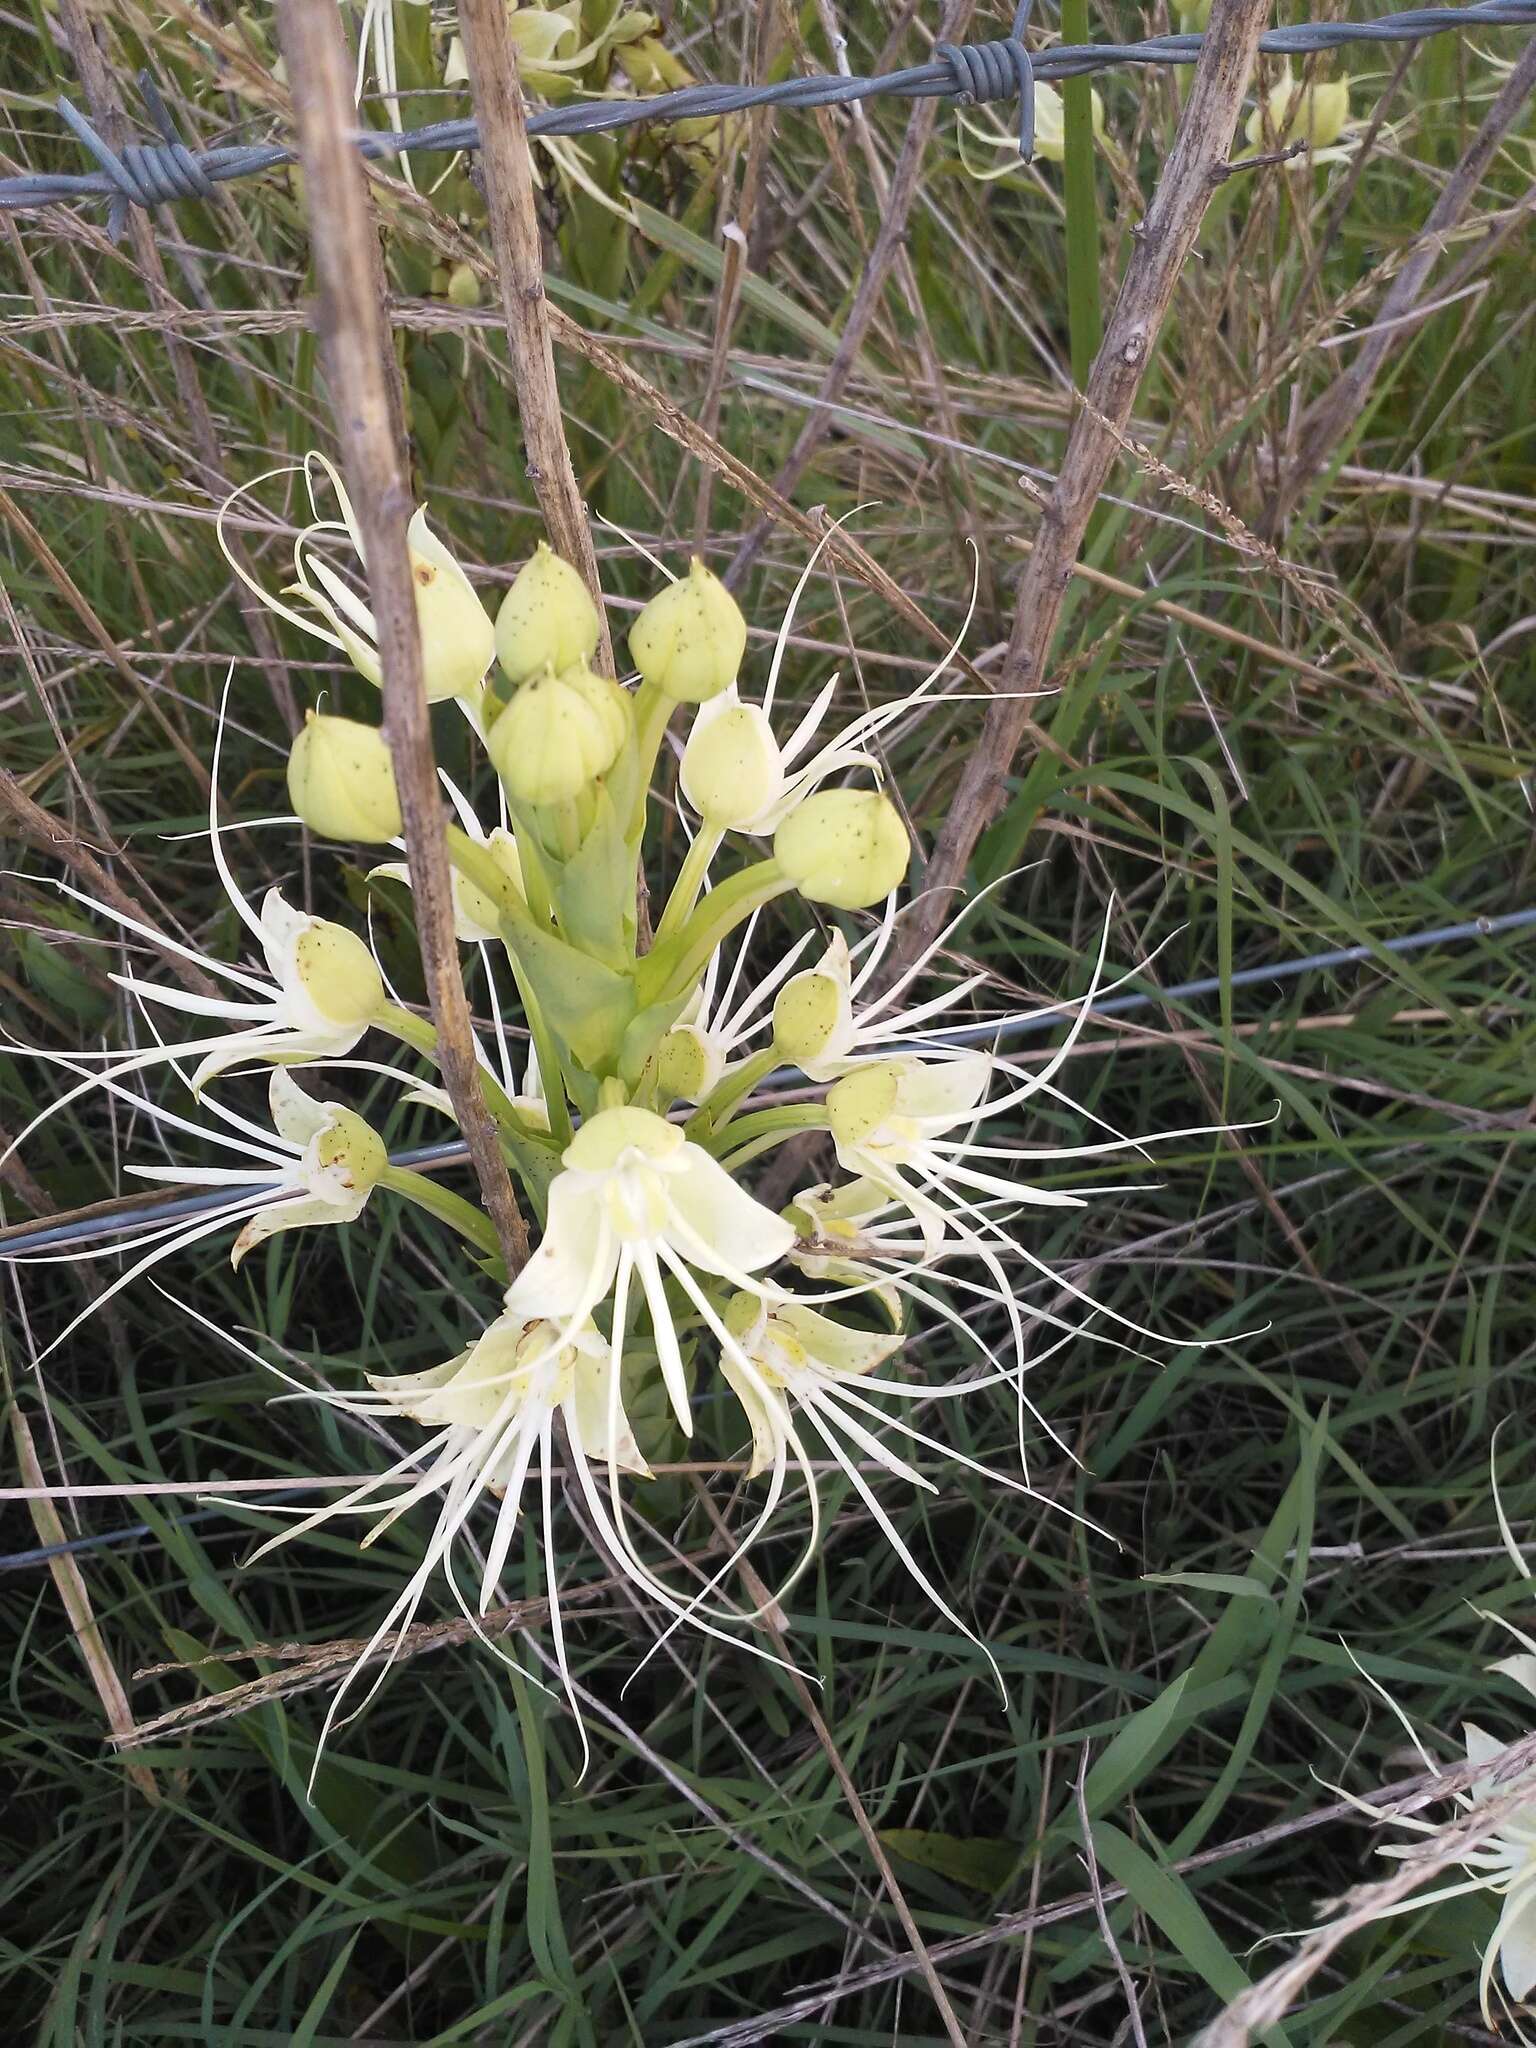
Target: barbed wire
(20, 1240)
(156, 173)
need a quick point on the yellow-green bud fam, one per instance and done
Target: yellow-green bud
(552, 740)
(337, 974)
(602, 1140)
(807, 1012)
(845, 847)
(1288, 113)
(860, 1103)
(732, 767)
(688, 1063)
(457, 639)
(547, 619)
(610, 700)
(341, 781)
(1194, 16)
(351, 1149)
(463, 285)
(690, 638)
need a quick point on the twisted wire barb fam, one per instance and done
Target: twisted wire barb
(155, 173)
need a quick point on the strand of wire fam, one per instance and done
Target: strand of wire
(156, 173)
(45, 1236)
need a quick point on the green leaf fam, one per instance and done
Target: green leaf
(1238, 1585)
(1136, 1748)
(595, 895)
(585, 1003)
(979, 1861)
(1168, 1901)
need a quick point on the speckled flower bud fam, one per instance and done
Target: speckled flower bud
(341, 781)
(844, 847)
(689, 640)
(547, 619)
(553, 739)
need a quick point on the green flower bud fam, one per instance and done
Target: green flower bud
(690, 638)
(553, 739)
(341, 781)
(860, 1103)
(350, 1149)
(1289, 113)
(1051, 119)
(732, 767)
(337, 975)
(1194, 16)
(547, 619)
(688, 1063)
(463, 285)
(809, 1015)
(609, 699)
(844, 847)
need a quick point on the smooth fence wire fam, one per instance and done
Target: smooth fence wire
(45, 1236)
(155, 173)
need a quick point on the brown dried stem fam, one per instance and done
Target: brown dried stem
(1163, 244)
(354, 338)
(508, 170)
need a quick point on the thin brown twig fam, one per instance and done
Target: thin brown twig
(1390, 1801)
(106, 107)
(507, 164)
(1163, 243)
(354, 335)
(1263, 2004)
(52, 837)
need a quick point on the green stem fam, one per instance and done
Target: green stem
(477, 863)
(717, 1108)
(670, 969)
(770, 1127)
(1085, 320)
(421, 1036)
(690, 880)
(445, 1205)
(652, 710)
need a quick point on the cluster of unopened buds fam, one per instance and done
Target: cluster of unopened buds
(657, 1068)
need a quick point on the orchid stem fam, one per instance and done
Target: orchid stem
(690, 880)
(445, 1205)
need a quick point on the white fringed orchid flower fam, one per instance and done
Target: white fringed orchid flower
(318, 1164)
(653, 1076)
(636, 1198)
(1314, 116)
(458, 641)
(1503, 1863)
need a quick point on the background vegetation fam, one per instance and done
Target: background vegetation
(1328, 744)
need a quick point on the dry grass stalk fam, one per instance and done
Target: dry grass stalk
(515, 242)
(354, 338)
